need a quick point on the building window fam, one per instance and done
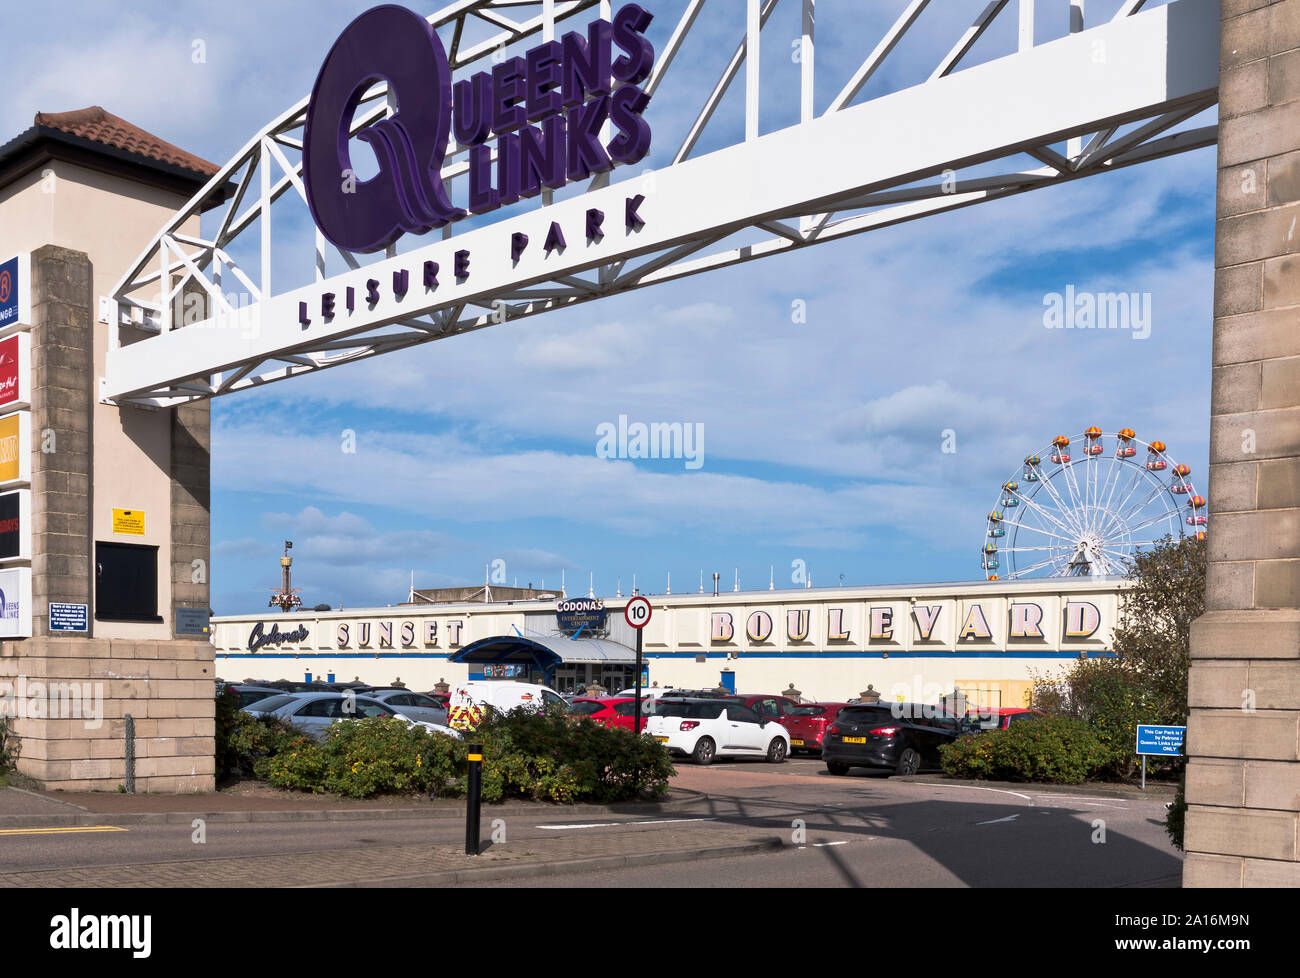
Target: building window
(126, 582)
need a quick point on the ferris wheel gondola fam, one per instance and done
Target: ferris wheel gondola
(1087, 515)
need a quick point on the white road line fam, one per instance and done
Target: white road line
(603, 825)
(972, 787)
(1101, 803)
(993, 821)
(822, 845)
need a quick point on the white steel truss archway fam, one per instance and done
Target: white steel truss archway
(851, 167)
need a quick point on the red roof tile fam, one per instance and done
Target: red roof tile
(101, 126)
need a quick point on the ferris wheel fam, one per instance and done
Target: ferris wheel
(1083, 511)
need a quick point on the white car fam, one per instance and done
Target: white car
(705, 729)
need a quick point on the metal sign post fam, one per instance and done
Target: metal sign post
(637, 614)
(473, 787)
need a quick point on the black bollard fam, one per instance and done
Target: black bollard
(473, 788)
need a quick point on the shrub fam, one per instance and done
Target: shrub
(1052, 749)
(525, 755)
(243, 741)
(1110, 698)
(10, 747)
(1177, 813)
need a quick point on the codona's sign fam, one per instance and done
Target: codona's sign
(545, 111)
(573, 614)
(260, 636)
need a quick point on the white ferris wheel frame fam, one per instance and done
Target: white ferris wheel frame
(1088, 528)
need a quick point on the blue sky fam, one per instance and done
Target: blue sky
(822, 439)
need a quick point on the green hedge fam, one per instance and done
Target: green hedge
(1051, 748)
(246, 743)
(525, 755)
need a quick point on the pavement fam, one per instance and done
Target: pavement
(649, 836)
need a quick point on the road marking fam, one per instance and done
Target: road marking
(994, 821)
(1093, 801)
(92, 828)
(821, 845)
(602, 825)
(972, 787)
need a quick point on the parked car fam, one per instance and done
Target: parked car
(471, 699)
(770, 706)
(314, 713)
(647, 692)
(610, 711)
(807, 725)
(704, 729)
(251, 694)
(899, 737)
(999, 717)
(417, 706)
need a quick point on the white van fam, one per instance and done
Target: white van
(470, 700)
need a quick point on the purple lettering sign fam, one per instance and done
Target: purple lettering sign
(545, 110)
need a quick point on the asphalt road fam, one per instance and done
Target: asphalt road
(861, 830)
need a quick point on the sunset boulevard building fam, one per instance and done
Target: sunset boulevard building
(918, 642)
(1243, 736)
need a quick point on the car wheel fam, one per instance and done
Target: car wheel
(704, 751)
(909, 763)
(837, 769)
(776, 750)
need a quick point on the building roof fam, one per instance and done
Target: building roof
(96, 138)
(100, 126)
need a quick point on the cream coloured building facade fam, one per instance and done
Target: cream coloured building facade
(988, 639)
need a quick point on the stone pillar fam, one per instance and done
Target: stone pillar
(62, 390)
(1243, 770)
(73, 691)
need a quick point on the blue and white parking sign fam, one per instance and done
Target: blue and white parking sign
(1160, 741)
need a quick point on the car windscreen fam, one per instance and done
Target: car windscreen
(690, 711)
(865, 714)
(805, 711)
(585, 709)
(273, 703)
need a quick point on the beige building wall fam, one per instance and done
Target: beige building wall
(1243, 736)
(132, 447)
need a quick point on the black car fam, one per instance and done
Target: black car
(900, 737)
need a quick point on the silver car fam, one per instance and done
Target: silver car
(417, 706)
(314, 713)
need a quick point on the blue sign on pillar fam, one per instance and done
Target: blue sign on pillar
(728, 680)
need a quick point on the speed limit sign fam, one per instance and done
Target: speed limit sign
(637, 612)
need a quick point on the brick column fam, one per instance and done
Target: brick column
(1243, 772)
(62, 386)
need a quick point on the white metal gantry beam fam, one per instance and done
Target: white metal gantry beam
(851, 169)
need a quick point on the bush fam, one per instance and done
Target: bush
(245, 742)
(525, 755)
(1177, 813)
(10, 747)
(1051, 748)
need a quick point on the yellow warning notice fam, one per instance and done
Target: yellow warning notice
(128, 521)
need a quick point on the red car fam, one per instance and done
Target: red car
(999, 717)
(807, 725)
(610, 711)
